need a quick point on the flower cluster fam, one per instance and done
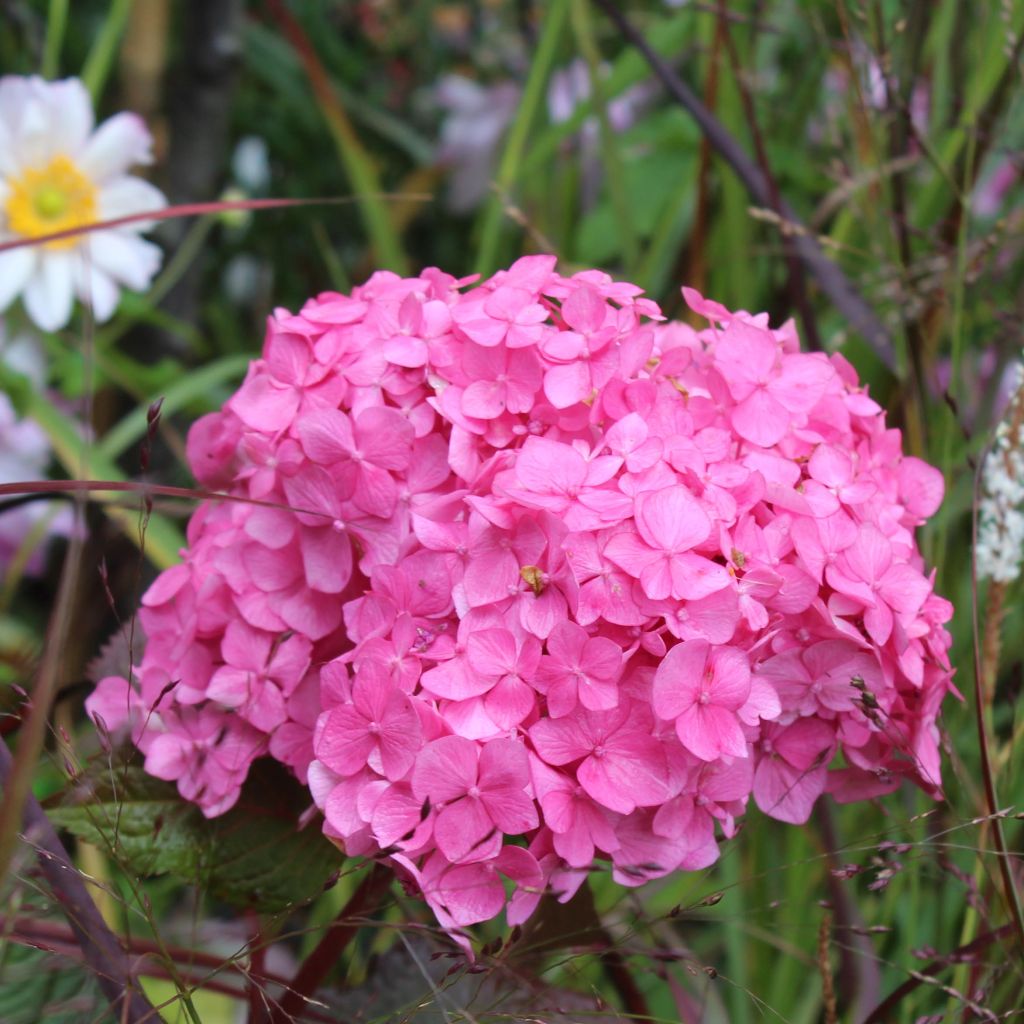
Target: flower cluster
(523, 577)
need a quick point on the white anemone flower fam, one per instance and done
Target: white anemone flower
(58, 173)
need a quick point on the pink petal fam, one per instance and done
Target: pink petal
(708, 732)
(464, 831)
(445, 769)
(761, 419)
(672, 519)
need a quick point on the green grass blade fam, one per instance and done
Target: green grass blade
(583, 27)
(163, 540)
(515, 146)
(666, 36)
(56, 24)
(356, 162)
(104, 50)
(197, 382)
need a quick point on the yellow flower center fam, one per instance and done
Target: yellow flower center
(45, 200)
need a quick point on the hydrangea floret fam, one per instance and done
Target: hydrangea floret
(532, 579)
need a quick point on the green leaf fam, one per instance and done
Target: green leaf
(175, 398)
(254, 856)
(38, 986)
(163, 539)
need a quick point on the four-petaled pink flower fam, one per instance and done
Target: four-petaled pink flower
(865, 572)
(259, 673)
(702, 688)
(621, 766)
(670, 523)
(770, 389)
(380, 728)
(579, 668)
(791, 768)
(481, 792)
(362, 453)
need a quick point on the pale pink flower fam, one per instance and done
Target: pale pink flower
(621, 767)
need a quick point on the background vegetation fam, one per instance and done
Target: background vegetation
(891, 134)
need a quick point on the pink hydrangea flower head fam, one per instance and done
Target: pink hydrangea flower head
(536, 582)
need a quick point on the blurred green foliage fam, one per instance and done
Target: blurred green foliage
(895, 129)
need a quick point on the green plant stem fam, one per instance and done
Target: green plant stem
(56, 24)
(96, 69)
(583, 28)
(515, 145)
(356, 161)
(198, 382)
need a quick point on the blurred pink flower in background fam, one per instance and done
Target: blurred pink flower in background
(476, 117)
(25, 455)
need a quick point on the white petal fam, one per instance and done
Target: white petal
(13, 90)
(71, 114)
(96, 290)
(124, 196)
(16, 267)
(120, 142)
(8, 165)
(35, 139)
(126, 257)
(48, 296)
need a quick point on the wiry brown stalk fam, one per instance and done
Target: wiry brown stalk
(339, 934)
(828, 991)
(147, 490)
(898, 100)
(991, 644)
(987, 773)
(100, 947)
(858, 974)
(796, 283)
(830, 277)
(17, 782)
(696, 270)
(885, 1010)
(152, 961)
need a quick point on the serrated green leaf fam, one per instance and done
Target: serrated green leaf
(254, 856)
(37, 986)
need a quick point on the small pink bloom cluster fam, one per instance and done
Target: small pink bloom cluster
(529, 578)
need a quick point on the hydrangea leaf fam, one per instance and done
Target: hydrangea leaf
(254, 856)
(36, 985)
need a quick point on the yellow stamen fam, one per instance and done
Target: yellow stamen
(45, 200)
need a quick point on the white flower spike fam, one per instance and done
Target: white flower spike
(1000, 546)
(56, 173)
